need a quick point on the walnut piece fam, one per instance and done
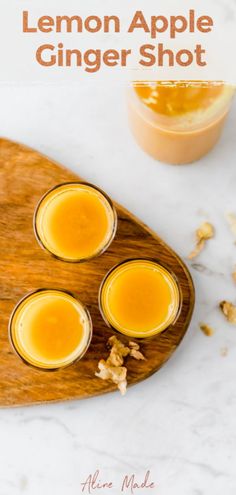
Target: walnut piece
(229, 310)
(205, 232)
(118, 352)
(206, 329)
(224, 351)
(117, 374)
(112, 368)
(135, 352)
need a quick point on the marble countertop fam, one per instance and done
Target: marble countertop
(181, 423)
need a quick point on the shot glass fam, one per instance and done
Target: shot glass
(75, 222)
(50, 329)
(140, 298)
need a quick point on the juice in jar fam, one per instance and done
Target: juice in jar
(178, 122)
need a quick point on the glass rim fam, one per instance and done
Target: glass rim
(17, 307)
(128, 260)
(113, 230)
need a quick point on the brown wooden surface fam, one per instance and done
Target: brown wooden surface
(24, 176)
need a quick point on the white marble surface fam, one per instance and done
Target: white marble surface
(181, 423)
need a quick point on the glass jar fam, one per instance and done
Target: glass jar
(175, 134)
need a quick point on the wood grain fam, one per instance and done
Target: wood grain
(24, 176)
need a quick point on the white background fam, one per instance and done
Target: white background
(181, 423)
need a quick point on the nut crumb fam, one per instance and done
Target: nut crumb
(206, 329)
(234, 274)
(112, 368)
(224, 351)
(229, 310)
(205, 232)
(135, 352)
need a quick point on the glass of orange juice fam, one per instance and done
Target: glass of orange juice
(75, 221)
(178, 122)
(140, 298)
(50, 329)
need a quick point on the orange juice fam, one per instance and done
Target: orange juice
(75, 221)
(139, 298)
(178, 122)
(178, 99)
(50, 329)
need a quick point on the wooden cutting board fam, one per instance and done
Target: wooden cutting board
(24, 176)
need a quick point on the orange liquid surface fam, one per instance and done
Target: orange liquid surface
(178, 99)
(50, 328)
(140, 298)
(75, 222)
